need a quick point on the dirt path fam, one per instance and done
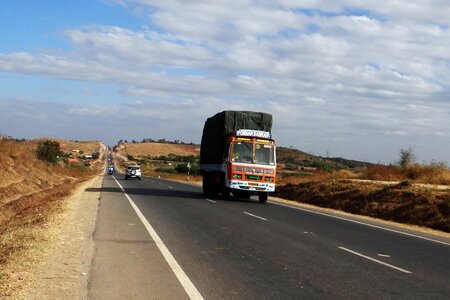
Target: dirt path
(423, 185)
(63, 265)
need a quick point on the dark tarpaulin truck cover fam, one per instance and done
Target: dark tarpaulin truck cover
(224, 123)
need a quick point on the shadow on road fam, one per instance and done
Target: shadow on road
(176, 194)
(150, 192)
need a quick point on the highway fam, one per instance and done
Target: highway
(159, 239)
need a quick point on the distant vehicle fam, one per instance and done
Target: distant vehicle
(111, 170)
(237, 155)
(133, 172)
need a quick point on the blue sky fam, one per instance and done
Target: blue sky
(347, 78)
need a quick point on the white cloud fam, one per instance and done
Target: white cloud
(342, 70)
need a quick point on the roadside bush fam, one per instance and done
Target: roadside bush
(183, 168)
(79, 166)
(166, 170)
(407, 157)
(130, 157)
(49, 151)
(178, 158)
(95, 155)
(382, 173)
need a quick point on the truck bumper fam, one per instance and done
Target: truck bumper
(250, 186)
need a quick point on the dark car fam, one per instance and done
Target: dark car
(111, 170)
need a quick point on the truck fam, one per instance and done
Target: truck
(238, 155)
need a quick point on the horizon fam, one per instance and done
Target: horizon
(181, 142)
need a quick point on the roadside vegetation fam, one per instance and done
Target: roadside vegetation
(36, 178)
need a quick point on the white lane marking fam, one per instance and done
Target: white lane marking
(362, 223)
(211, 200)
(255, 216)
(170, 187)
(383, 255)
(376, 260)
(159, 183)
(187, 284)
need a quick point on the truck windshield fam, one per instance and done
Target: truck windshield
(264, 154)
(243, 152)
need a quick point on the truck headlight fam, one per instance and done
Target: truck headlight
(269, 179)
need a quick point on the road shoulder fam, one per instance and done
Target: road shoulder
(63, 270)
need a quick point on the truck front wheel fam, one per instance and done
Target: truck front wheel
(263, 197)
(206, 187)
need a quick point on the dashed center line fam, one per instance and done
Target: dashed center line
(255, 216)
(211, 200)
(383, 255)
(359, 222)
(376, 260)
(170, 187)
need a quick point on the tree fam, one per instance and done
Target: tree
(49, 150)
(407, 157)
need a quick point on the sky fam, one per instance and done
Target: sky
(347, 78)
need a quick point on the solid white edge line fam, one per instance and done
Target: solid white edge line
(376, 260)
(187, 284)
(255, 216)
(362, 223)
(211, 200)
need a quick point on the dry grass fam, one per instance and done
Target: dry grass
(158, 149)
(435, 173)
(317, 176)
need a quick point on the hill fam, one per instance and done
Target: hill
(155, 149)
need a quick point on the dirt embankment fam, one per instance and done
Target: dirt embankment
(31, 191)
(402, 202)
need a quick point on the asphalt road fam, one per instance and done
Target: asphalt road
(185, 246)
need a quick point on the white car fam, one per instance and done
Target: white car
(133, 172)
